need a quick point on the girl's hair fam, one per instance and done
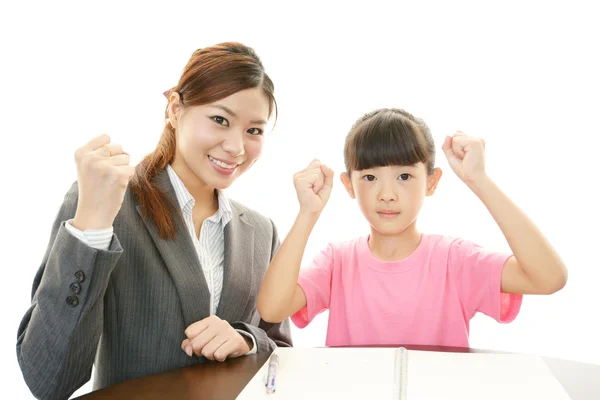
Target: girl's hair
(386, 137)
(211, 74)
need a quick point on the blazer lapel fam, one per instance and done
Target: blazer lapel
(182, 261)
(238, 267)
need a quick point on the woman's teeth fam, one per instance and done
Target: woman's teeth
(221, 163)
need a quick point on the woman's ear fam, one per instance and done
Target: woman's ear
(173, 108)
(345, 178)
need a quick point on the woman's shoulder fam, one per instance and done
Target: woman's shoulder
(72, 195)
(252, 217)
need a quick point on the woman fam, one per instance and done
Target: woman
(153, 268)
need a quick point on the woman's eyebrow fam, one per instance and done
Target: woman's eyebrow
(233, 114)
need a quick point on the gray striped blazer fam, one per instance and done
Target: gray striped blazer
(136, 299)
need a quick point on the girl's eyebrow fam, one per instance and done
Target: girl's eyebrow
(413, 167)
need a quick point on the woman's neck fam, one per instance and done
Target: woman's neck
(394, 247)
(205, 197)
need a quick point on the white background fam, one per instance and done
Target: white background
(523, 75)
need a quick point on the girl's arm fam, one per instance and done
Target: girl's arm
(536, 268)
(280, 296)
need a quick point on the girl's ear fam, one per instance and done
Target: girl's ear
(345, 178)
(433, 180)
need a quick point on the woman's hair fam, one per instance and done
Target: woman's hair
(211, 74)
(386, 137)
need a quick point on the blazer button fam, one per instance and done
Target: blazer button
(75, 287)
(72, 301)
(80, 276)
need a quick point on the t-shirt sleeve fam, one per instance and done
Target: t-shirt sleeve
(479, 281)
(315, 281)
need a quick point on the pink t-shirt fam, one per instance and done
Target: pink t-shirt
(427, 298)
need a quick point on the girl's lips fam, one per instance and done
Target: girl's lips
(388, 214)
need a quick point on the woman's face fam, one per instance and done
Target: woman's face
(217, 142)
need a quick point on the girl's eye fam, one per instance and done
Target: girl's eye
(220, 120)
(404, 177)
(369, 178)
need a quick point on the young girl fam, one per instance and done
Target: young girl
(397, 285)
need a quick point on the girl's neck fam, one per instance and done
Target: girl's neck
(394, 247)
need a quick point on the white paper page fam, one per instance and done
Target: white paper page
(328, 373)
(476, 376)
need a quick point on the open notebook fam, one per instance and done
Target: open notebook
(400, 374)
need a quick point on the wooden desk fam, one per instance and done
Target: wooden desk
(226, 380)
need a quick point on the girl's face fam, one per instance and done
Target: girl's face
(391, 197)
(218, 142)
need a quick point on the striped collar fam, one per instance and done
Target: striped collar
(187, 202)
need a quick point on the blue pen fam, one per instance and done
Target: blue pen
(271, 372)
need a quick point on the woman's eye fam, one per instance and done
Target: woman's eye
(220, 120)
(255, 131)
(404, 177)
